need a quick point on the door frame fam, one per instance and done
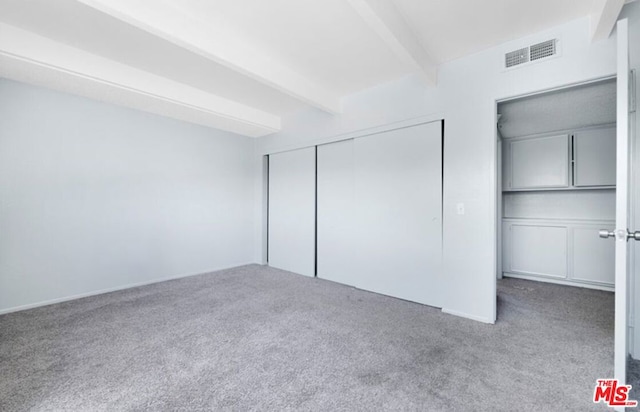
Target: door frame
(498, 165)
(631, 329)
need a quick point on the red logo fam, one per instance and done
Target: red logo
(613, 394)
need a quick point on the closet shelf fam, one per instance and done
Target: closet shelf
(561, 189)
(567, 220)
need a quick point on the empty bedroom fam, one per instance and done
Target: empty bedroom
(319, 205)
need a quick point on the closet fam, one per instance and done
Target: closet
(376, 216)
(558, 185)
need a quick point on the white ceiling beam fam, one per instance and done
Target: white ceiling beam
(25, 56)
(387, 21)
(604, 15)
(212, 41)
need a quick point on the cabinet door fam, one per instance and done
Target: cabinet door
(537, 250)
(541, 162)
(595, 157)
(593, 258)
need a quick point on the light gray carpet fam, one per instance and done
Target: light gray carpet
(633, 378)
(255, 338)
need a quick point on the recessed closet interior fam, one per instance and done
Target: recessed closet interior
(557, 171)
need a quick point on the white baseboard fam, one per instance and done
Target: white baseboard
(468, 316)
(114, 289)
(559, 281)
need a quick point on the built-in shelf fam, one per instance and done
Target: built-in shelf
(558, 193)
(553, 220)
(563, 189)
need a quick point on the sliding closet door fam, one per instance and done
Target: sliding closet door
(380, 213)
(292, 203)
(398, 185)
(335, 213)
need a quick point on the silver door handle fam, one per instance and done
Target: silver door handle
(604, 233)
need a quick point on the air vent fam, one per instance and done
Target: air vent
(516, 57)
(531, 53)
(542, 50)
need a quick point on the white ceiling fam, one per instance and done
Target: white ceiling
(240, 65)
(471, 26)
(324, 39)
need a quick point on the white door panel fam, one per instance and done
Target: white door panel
(398, 187)
(291, 238)
(335, 212)
(539, 250)
(539, 162)
(380, 213)
(595, 157)
(593, 259)
(622, 205)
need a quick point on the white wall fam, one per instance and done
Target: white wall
(568, 205)
(466, 98)
(96, 197)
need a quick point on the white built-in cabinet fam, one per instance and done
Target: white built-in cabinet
(561, 250)
(537, 163)
(594, 153)
(580, 159)
(558, 191)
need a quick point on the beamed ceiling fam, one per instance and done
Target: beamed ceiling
(240, 65)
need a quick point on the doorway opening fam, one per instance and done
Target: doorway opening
(557, 177)
(556, 194)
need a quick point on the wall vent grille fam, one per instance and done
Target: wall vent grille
(542, 50)
(517, 57)
(530, 53)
